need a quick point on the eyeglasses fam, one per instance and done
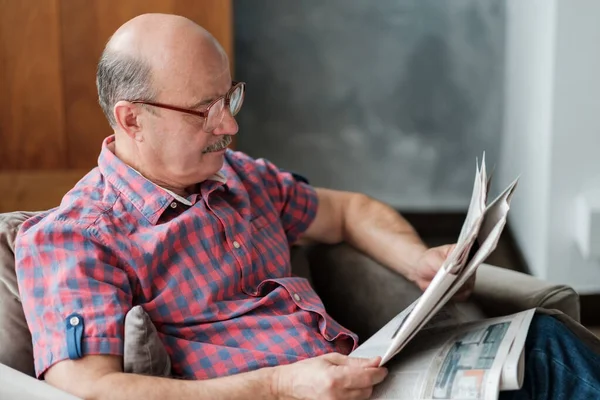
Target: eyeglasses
(214, 112)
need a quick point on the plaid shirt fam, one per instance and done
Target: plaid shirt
(214, 275)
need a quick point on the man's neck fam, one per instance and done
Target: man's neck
(125, 156)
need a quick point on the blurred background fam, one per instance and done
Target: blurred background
(393, 98)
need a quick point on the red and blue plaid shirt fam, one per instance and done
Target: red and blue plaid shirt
(214, 276)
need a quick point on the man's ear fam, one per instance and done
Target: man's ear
(127, 117)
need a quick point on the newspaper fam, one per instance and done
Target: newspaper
(473, 360)
(416, 325)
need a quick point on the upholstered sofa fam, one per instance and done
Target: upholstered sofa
(358, 292)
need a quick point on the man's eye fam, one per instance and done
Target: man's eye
(195, 119)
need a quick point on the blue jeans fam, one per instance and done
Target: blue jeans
(557, 365)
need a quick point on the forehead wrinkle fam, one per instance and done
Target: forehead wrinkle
(218, 93)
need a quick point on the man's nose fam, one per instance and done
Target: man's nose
(228, 125)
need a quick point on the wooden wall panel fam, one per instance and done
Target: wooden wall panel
(32, 131)
(82, 40)
(35, 190)
(51, 125)
(86, 27)
(204, 12)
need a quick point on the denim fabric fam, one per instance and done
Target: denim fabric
(557, 365)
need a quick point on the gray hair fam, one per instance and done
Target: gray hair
(122, 77)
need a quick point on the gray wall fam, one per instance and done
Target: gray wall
(392, 98)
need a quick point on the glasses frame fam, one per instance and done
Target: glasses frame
(204, 113)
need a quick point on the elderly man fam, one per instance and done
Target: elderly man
(199, 236)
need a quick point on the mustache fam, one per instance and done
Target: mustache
(220, 145)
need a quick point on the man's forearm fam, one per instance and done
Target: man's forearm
(383, 234)
(255, 384)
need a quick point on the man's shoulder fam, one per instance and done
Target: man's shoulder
(86, 205)
(238, 158)
(243, 167)
(246, 166)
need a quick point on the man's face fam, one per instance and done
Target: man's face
(181, 151)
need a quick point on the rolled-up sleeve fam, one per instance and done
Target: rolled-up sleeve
(74, 295)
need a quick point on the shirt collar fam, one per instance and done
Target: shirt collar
(177, 197)
(149, 198)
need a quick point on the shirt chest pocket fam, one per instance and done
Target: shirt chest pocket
(270, 249)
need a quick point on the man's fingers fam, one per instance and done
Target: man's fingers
(362, 362)
(376, 375)
(359, 394)
(359, 378)
(447, 249)
(442, 252)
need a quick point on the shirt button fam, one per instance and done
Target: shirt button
(174, 204)
(297, 297)
(236, 244)
(74, 321)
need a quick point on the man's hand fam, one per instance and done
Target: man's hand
(430, 262)
(328, 377)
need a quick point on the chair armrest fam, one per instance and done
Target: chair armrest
(17, 385)
(357, 292)
(500, 291)
(362, 295)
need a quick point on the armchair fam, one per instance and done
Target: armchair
(361, 294)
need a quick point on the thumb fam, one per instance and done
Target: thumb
(446, 250)
(335, 358)
(363, 362)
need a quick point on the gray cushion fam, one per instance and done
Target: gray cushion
(15, 340)
(144, 351)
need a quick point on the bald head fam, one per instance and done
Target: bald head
(158, 55)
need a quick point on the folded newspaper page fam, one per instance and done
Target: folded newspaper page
(473, 360)
(478, 238)
(445, 356)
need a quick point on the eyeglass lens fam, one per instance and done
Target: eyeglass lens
(215, 114)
